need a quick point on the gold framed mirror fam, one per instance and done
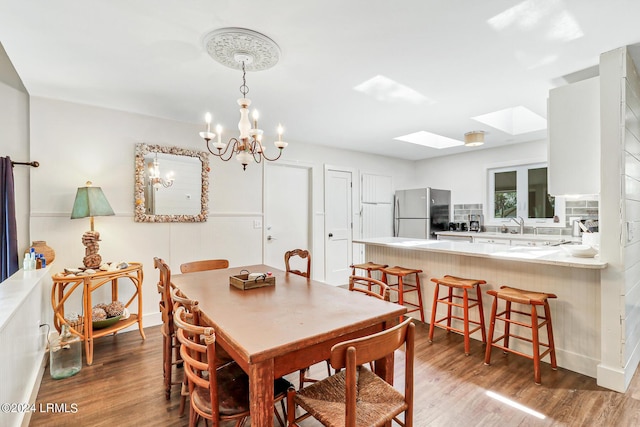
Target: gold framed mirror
(171, 184)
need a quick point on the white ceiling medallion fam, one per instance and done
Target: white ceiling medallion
(234, 46)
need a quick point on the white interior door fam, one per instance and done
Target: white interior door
(338, 226)
(287, 211)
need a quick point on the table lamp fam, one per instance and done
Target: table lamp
(90, 201)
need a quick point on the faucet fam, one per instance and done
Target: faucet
(520, 223)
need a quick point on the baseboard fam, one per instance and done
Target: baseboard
(612, 378)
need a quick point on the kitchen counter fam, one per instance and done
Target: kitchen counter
(553, 255)
(551, 238)
(543, 268)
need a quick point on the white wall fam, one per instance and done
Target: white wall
(465, 174)
(619, 219)
(14, 139)
(76, 143)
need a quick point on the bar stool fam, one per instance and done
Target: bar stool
(533, 299)
(368, 267)
(403, 287)
(465, 285)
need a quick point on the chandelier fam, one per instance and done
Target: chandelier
(242, 48)
(154, 175)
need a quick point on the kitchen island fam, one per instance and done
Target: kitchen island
(576, 282)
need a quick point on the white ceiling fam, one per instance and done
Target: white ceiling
(147, 56)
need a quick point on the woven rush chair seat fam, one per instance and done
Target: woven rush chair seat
(233, 392)
(356, 396)
(377, 400)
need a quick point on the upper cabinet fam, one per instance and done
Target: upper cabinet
(574, 138)
(376, 188)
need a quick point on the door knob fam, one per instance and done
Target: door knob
(330, 234)
(270, 237)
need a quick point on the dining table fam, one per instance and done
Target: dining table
(275, 330)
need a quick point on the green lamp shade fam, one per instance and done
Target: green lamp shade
(90, 201)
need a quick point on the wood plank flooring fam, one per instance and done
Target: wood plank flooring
(124, 388)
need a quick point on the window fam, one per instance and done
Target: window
(521, 191)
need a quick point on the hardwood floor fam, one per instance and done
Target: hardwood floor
(124, 387)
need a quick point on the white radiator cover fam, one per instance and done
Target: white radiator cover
(24, 306)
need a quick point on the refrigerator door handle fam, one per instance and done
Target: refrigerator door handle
(396, 211)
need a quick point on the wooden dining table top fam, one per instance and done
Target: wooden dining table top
(296, 312)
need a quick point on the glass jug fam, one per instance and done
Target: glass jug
(65, 354)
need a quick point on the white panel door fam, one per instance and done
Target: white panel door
(338, 226)
(287, 212)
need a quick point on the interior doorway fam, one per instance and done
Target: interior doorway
(287, 211)
(338, 201)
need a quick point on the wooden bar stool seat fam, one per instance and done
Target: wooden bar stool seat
(533, 300)
(368, 267)
(453, 300)
(403, 287)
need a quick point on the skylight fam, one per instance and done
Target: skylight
(550, 17)
(384, 89)
(429, 139)
(514, 121)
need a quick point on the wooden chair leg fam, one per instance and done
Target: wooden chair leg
(536, 344)
(167, 351)
(419, 289)
(465, 309)
(492, 326)
(507, 325)
(552, 345)
(481, 313)
(449, 308)
(434, 307)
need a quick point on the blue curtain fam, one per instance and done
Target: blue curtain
(8, 234)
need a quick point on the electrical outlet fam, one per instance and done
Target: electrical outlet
(257, 223)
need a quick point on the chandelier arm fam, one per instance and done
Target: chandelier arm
(219, 153)
(272, 159)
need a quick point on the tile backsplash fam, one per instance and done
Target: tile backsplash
(583, 209)
(462, 212)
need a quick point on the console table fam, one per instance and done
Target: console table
(65, 285)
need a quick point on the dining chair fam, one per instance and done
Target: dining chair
(383, 289)
(204, 265)
(369, 282)
(193, 316)
(357, 396)
(170, 345)
(302, 253)
(217, 392)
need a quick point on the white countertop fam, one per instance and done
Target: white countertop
(512, 236)
(554, 255)
(15, 289)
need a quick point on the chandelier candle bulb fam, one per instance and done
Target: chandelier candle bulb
(219, 131)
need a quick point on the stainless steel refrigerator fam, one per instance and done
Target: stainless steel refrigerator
(421, 212)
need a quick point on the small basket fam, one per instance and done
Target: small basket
(77, 324)
(242, 281)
